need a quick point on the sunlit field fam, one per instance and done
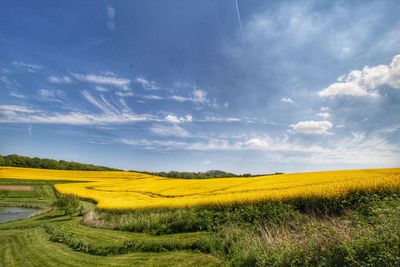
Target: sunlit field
(130, 190)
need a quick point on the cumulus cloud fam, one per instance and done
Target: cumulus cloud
(312, 127)
(366, 82)
(287, 100)
(176, 119)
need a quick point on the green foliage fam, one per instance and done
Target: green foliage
(167, 221)
(69, 204)
(204, 175)
(27, 162)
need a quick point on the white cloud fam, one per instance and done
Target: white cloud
(174, 130)
(147, 84)
(110, 80)
(27, 67)
(287, 100)
(220, 119)
(15, 109)
(111, 18)
(72, 118)
(59, 79)
(153, 97)
(356, 149)
(176, 120)
(101, 88)
(312, 127)
(324, 115)
(179, 98)
(366, 82)
(124, 94)
(198, 96)
(51, 95)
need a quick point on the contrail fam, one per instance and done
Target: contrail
(238, 14)
(240, 22)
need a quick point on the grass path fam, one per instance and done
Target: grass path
(21, 247)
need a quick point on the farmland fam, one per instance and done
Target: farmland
(324, 218)
(130, 190)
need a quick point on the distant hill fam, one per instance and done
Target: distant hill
(28, 162)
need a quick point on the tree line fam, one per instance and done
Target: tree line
(198, 175)
(14, 160)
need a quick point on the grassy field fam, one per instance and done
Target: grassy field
(53, 239)
(357, 228)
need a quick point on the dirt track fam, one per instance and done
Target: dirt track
(16, 187)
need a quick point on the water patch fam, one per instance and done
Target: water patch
(14, 213)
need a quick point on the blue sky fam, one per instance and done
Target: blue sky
(270, 86)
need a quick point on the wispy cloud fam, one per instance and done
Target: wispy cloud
(56, 95)
(12, 86)
(124, 94)
(147, 84)
(26, 67)
(173, 130)
(198, 96)
(366, 82)
(59, 79)
(357, 149)
(153, 97)
(111, 18)
(13, 109)
(110, 80)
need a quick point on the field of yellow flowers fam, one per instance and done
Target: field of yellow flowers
(130, 190)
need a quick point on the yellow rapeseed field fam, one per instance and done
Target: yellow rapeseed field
(130, 190)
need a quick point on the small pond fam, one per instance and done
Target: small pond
(14, 213)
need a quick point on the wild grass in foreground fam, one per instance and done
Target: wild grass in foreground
(359, 229)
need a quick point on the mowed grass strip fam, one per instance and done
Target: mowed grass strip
(33, 248)
(102, 241)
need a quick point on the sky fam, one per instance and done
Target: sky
(187, 85)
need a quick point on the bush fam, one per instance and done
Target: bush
(69, 204)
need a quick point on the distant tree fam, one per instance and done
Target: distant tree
(68, 203)
(27, 162)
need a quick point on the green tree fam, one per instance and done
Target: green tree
(69, 203)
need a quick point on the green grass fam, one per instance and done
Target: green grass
(54, 239)
(33, 248)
